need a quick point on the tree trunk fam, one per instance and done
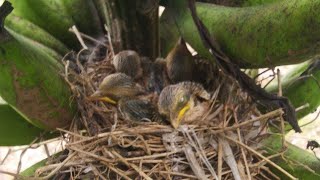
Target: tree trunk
(281, 33)
(133, 25)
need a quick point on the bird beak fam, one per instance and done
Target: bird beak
(176, 122)
(107, 99)
(96, 97)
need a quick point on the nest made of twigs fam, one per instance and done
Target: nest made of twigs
(100, 144)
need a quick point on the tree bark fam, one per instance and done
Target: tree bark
(134, 25)
(281, 33)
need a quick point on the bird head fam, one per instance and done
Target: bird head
(175, 101)
(100, 96)
(183, 101)
(115, 86)
(129, 63)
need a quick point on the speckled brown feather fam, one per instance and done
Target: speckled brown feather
(138, 110)
(158, 78)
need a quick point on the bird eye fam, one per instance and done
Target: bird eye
(182, 99)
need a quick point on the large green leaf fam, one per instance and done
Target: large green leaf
(30, 81)
(29, 30)
(14, 129)
(279, 33)
(57, 16)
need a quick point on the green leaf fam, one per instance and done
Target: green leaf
(57, 16)
(296, 161)
(29, 30)
(30, 81)
(14, 129)
(32, 169)
(280, 33)
(300, 90)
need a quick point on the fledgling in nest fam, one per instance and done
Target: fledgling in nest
(181, 102)
(180, 63)
(129, 63)
(139, 110)
(116, 86)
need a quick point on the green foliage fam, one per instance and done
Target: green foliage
(258, 2)
(14, 130)
(296, 159)
(31, 170)
(280, 33)
(300, 90)
(33, 32)
(303, 91)
(29, 72)
(57, 16)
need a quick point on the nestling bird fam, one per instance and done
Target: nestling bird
(181, 102)
(180, 63)
(157, 77)
(116, 86)
(138, 110)
(129, 63)
(206, 73)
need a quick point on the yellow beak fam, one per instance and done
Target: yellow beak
(98, 96)
(107, 99)
(176, 122)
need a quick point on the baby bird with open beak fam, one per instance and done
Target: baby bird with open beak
(181, 102)
(116, 86)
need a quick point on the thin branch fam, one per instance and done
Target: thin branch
(87, 37)
(77, 33)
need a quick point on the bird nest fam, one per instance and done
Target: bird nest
(102, 144)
